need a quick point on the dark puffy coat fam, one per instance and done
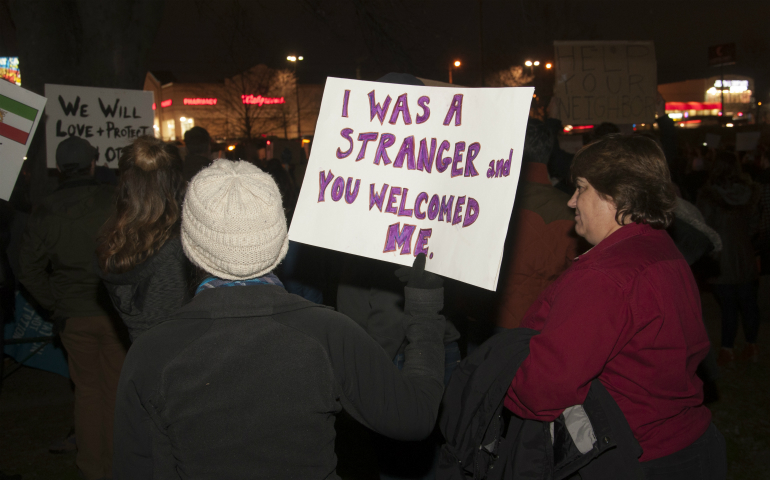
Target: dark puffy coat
(152, 291)
(733, 213)
(244, 382)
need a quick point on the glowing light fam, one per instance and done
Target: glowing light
(182, 119)
(268, 142)
(759, 103)
(548, 65)
(457, 63)
(528, 63)
(291, 58)
(199, 101)
(231, 148)
(536, 63)
(305, 140)
(567, 128)
(300, 57)
(153, 105)
(729, 125)
(166, 103)
(260, 100)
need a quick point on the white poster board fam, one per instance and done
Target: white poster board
(20, 112)
(108, 118)
(599, 82)
(398, 170)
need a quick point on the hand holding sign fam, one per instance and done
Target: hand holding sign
(444, 162)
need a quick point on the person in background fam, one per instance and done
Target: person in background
(197, 141)
(627, 313)
(56, 266)
(139, 252)
(729, 205)
(541, 242)
(246, 380)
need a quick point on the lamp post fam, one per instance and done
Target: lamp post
(452, 66)
(294, 60)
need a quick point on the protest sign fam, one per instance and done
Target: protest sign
(108, 118)
(746, 141)
(398, 170)
(604, 82)
(20, 112)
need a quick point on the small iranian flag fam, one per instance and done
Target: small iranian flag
(16, 119)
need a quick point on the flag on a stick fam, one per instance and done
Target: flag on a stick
(16, 119)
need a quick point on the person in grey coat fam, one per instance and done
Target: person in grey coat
(139, 253)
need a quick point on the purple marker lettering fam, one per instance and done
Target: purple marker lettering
(390, 207)
(338, 188)
(402, 108)
(323, 182)
(422, 197)
(423, 102)
(386, 140)
(376, 109)
(507, 164)
(345, 103)
(441, 165)
(459, 149)
(446, 209)
(404, 212)
(365, 138)
(473, 152)
(433, 207)
(402, 238)
(491, 169)
(351, 197)
(425, 160)
(421, 245)
(499, 168)
(407, 151)
(375, 199)
(346, 135)
(471, 213)
(455, 110)
(457, 218)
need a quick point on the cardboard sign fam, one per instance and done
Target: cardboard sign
(604, 82)
(108, 118)
(398, 170)
(20, 112)
(746, 141)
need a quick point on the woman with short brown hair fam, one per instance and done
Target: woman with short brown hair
(139, 252)
(626, 312)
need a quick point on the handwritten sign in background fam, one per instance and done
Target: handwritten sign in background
(12, 152)
(108, 118)
(604, 82)
(438, 175)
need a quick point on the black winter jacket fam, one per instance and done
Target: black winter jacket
(152, 291)
(245, 382)
(485, 440)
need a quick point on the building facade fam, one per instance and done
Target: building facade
(261, 102)
(693, 103)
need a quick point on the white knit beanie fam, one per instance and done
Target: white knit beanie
(233, 225)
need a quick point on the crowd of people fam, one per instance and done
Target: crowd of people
(202, 343)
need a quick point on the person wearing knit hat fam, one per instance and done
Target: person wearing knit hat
(245, 380)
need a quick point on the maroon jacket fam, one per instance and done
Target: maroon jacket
(628, 312)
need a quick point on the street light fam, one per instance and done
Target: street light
(528, 63)
(453, 66)
(294, 60)
(548, 65)
(537, 63)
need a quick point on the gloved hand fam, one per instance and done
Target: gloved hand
(416, 276)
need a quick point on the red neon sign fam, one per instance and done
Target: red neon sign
(165, 103)
(153, 105)
(693, 106)
(260, 100)
(199, 101)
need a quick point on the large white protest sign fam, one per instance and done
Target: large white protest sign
(20, 112)
(398, 170)
(108, 118)
(604, 82)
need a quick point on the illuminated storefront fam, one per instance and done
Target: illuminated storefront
(695, 103)
(226, 111)
(9, 69)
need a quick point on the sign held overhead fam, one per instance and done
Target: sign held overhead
(604, 82)
(399, 170)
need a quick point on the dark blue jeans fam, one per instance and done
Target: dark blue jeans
(705, 459)
(414, 460)
(734, 298)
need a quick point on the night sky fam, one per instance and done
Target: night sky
(205, 40)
